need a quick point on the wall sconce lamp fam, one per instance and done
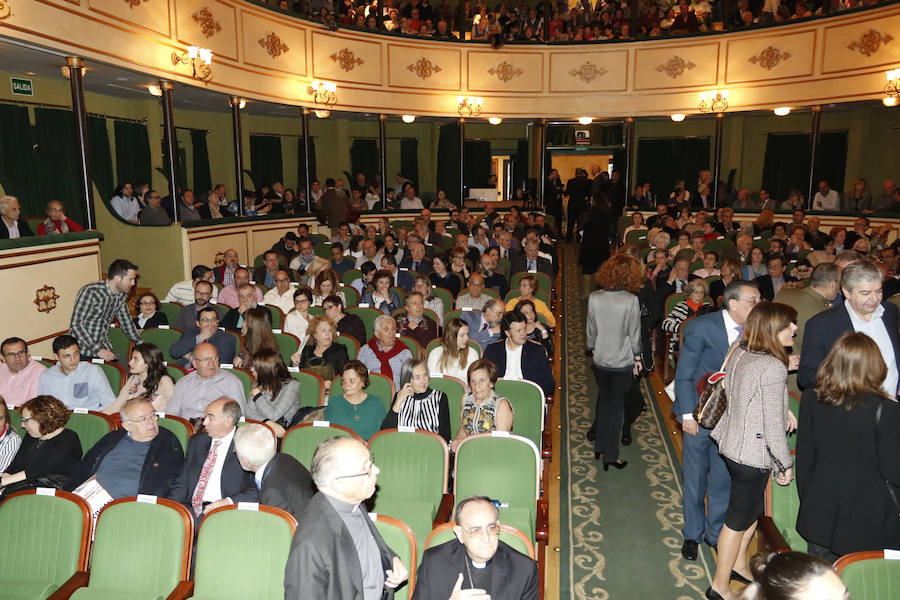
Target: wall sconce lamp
(892, 88)
(241, 103)
(495, 120)
(408, 118)
(154, 90)
(324, 94)
(469, 106)
(199, 59)
(713, 102)
(678, 117)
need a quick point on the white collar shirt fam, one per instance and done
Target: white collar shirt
(213, 492)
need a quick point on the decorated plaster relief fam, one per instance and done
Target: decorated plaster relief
(870, 42)
(273, 45)
(505, 71)
(346, 59)
(675, 67)
(424, 68)
(588, 72)
(769, 57)
(208, 24)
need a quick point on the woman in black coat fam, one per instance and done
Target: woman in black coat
(595, 236)
(847, 456)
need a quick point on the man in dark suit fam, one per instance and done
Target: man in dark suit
(400, 279)
(677, 277)
(337, 554)
(415, 260)
(186, 320)
(213, 476)
(705, 343)
(578, 189)
(518, 358)
(553, 193)
(281, 480)
(484, 324)
(205, 329)
(265, 273)
(863, 312)
(11, 226)
(771, 284)
(476, 560)
(529, 260)
(140, 458)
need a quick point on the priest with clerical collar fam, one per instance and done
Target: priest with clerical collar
(476, 565)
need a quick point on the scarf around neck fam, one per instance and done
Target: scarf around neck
(385, 357)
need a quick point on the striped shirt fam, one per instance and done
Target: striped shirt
(9, 445)
(465, 300)
(422, 411)
(95, 307)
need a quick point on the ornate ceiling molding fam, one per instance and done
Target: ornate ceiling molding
(424, 68)
(769, 57)
(208, 24)
(505, 71)
(133, 3)
(5, 8)
(273, 45)
(45, 298)
(346, 59)
(588, 72)
(675, 67)
(870, 42)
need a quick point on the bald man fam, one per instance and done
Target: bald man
(206, 383)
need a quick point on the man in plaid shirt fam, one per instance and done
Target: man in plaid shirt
(95, 306)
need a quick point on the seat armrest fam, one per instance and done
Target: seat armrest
(542, 527)
(770, 538)
(78, 580)
(546, 445)
(444, 510)
(183, 590)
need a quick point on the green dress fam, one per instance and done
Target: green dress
(364, 418)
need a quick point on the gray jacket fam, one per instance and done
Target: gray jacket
(614, 329)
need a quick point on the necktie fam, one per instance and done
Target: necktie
(484, 327)
(205, 472)
(532, 266)
(415, 265)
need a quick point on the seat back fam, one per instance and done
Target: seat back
(90, 426)
(242, 551)
(504, 467)
(368, 315)
(141, 546)
(527, 401)
(401, 294)
(275, 313)
(15, 420)
(544, 283)
(119, 341)
(311, 386)
(350, 276)
(509, 535)
(380, 386)
(445, 296)
(350, 343)
(539, 294)
(424, 478)
(288, 344)
(114, 372)
(182, 428)
(162, 339)
(351, 296)
(46, 536)
(300, 441)
(415, 348)
(672, 300)
(171, 310)
(869, 575)
(175, 372)
(242, 374)
(783, 504)
(399, 538)
(455, 390)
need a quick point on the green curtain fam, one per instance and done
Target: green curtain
(786, 163)
(831, 159)
(448, 161)
(180, 166)
(477, 163)
(301, 168)
(520, 166)
(560, 135)
(662, 161)
(57, 161)
(101, 156)
(265, 160)
(202, 176)
(133, 161)
(364, 158)
(17, 160)
(409, 160)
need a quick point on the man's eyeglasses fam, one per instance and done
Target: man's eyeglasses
(15, 354)
(751, 300)
(206, 359)
(145, 420)
(209, 320)
(282, 280)
(492, 530)
(365, 473)
(301, 300)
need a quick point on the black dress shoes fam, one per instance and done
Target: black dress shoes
(626, 438)
(690, 549)
(735, 576)
(712, 594)
(591, 434)
(619, 464)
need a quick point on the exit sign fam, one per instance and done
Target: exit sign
(21, 87)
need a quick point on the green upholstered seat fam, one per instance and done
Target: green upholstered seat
(180, 427)
(455, 390)
(45, 541)
(350, 343)
(527, 401)
(90, 427)
(300, 441)
(241, 553)
(244, 376)
(175, 372)
(115, 374)
(288, 344)
(380, 386)
(785, 506)
(311, 386)
(171, 310)
(162, 339)
(141, 551)
(508, 534)
(868, 577)
(368, 315)
(399, 538)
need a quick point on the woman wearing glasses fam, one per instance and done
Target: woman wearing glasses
(297, 321)
(149, 379)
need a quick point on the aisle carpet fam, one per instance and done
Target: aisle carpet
(620, 530)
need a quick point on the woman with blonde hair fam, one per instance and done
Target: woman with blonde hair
(751, 432)
(454, 355)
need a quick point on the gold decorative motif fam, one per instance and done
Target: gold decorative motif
(424, 68)
(45, 298)
(346, 59)
(769, 57)
(870, 42)
(588, 72)
(273, 45)
(133, 3)
(208, 24)
(505, 71)
(5, 8)
(675, 67)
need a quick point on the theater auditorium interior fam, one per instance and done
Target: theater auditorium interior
(371, 211)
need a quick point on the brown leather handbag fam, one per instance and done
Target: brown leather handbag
(712, 396)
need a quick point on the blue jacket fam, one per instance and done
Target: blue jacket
(473, 320)
(535, 365)
(703, 348)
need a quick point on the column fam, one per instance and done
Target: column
(629, 157)
(541, 130)
(170, 160)
(306, 138)
(462, 155)
(717, 161)
(813, 146)
(79, 112)
(382, 158)
(235, 103)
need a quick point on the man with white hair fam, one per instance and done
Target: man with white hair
(281, 480)
(337, 554)
(9, 213)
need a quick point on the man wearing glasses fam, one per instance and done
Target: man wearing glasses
(706, 340)
(57, 221)
(140, 458)
(337, 552)
(282, 295)
(476, 564)
(205, 329)
(206, 383)
(19, 374)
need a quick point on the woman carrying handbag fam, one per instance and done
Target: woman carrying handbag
(751, 433)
